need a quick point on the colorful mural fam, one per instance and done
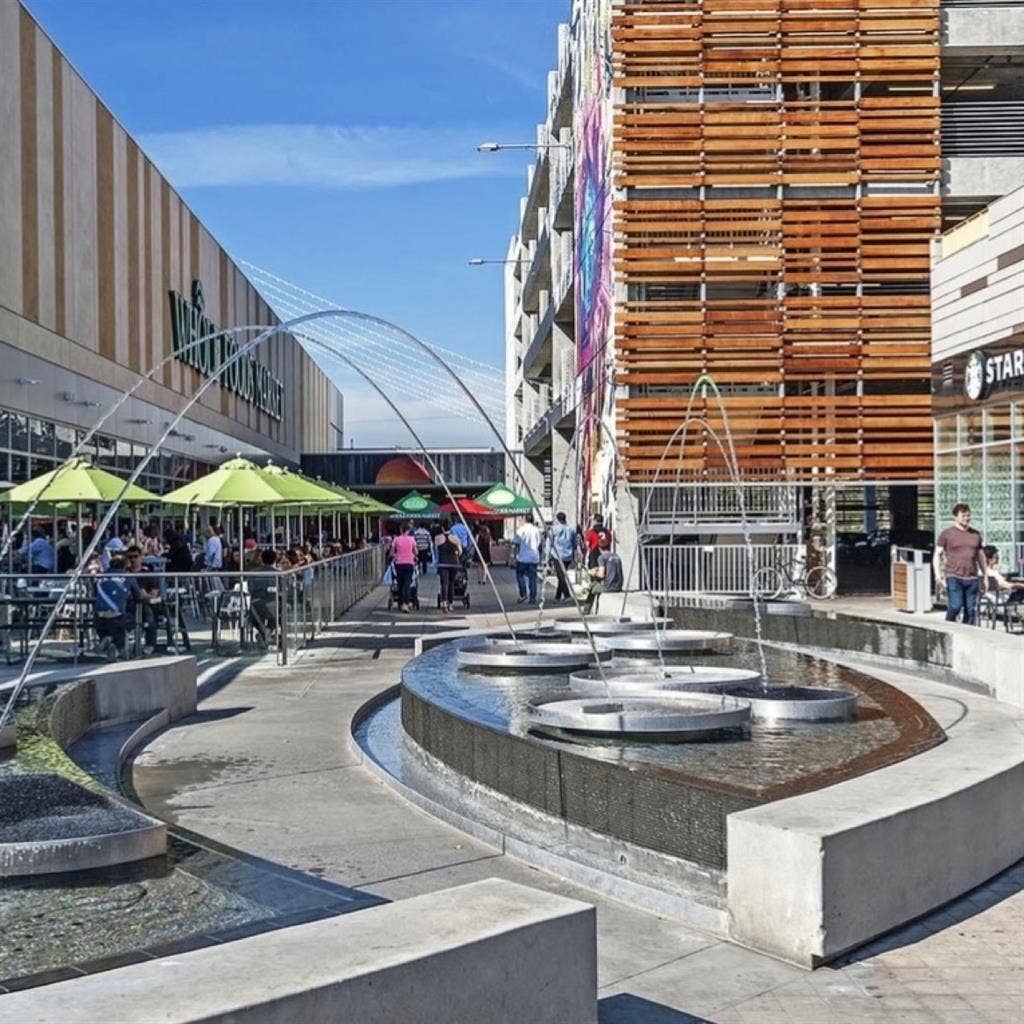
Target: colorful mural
(591, 26)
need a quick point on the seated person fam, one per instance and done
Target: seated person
(996, 583)
(149, 605)
(38, 553)
(607, 574)
(262, 601)
(111, 619)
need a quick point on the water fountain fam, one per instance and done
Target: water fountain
(540, 655)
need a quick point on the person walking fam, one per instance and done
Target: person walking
(597, 533)
(449, 551)
(959, 548)
(422, 537)
(405, 554)
(527, 542)
(483, 543)
(563, 544)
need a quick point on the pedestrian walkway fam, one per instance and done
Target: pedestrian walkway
(265, 766)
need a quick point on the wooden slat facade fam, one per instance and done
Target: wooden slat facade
(776, 164)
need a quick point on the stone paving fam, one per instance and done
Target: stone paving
(264, 766)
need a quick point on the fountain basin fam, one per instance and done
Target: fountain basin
(679, 719)
(669, 641)
(50, 824)
(632, 681)
(529, 656)
(607, 625)
(789, 703)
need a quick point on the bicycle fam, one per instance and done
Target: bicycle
(819, 582)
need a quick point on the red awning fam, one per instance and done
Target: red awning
(469, 508)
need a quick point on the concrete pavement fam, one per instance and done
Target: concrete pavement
(264, 766)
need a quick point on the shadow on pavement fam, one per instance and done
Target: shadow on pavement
(1007, 883)
(629, 1009)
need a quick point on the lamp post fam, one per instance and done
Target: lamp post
(495, 147)
(479, 261)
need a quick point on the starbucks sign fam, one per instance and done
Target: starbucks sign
(983, 372)
(251, 381)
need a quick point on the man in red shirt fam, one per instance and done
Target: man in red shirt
(597, 533)
(405, 552)
(965, 560)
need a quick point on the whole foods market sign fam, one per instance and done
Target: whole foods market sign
(251, 381)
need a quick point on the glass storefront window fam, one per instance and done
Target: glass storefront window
(5, 467)
(106, 452)
(124, 456)
(5, 430)
(19, 433)
(947, 484)
(19, 469)
(997, 423)
(998, 524)
(971, 431)
(945, 433)
(66, 441)
(42, 437)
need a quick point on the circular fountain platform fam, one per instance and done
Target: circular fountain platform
(669, 641)
(783, 703)
(633, 682)
(608, 625)
(679, 719)
(528, 656)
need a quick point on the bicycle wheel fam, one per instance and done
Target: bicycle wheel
(767, 583)
(821, 582)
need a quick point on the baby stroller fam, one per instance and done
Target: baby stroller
(391, 577)
(460, 584)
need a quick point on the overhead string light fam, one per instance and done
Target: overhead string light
(379, 345)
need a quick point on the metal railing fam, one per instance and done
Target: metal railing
(709, 569)
(718, 503)
(995, 128)
(281, 610)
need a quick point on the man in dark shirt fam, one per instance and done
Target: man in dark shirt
(964, 562)
(607, 574)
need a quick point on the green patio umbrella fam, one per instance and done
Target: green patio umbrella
(77, 482)
(294, 487)
(417, 506)
(504, 501)
(71, 485)
(235, 482)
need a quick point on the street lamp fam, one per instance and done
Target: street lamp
(479, 261)
(494, 147)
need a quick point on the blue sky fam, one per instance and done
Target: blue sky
(332, 142)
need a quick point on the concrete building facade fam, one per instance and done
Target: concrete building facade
(106, 273)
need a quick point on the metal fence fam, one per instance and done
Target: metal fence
(709, 568)
(218, 612)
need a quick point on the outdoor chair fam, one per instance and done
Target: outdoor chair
(995, 606)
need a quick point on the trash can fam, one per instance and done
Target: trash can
(911, 580)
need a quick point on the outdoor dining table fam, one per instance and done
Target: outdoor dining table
(28, 602)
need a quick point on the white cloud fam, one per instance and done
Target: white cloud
(320, 156)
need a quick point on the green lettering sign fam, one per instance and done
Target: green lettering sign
(250, 380)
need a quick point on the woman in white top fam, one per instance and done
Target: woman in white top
(996, 582)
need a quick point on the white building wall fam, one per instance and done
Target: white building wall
(974, 301)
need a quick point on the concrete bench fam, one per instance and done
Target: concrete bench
(489, 952)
